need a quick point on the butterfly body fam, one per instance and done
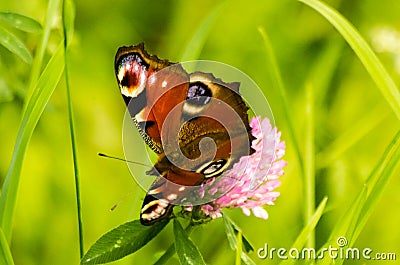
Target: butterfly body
(196, 123)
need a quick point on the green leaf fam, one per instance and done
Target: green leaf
(14, 45)
(5, 253)
(187, 251)
(247, 245)
(232, 239)
(239, 248)
(307, 230)
(171, 250)
(21, 22)
(368, 58)
(122, 241)
(51, 15)
(44, 88)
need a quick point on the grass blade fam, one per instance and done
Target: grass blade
(388, 166)
(309, 164)
(68, 27)
(352, 135)
(195, 45)
(278, 84)
(323, 70)
(21, 22)
(44, 88)
(14, 45)
(307, 230)
(368, 58)
(68, 20)
(357, 215)
(343, 225)
(5, 253)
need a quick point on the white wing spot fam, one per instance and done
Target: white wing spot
(172, 197)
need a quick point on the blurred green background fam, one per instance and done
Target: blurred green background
(354, 123)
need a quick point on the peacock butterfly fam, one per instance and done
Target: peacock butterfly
(196, 123)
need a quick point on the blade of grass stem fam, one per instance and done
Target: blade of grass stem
(278, 84)
(5, 253)
(309, 163)
(196, 43)
(307, 230)
(368, 58)
(324, 68)
(44, 88)
(351, 136)
(68, 18)
(344, 224)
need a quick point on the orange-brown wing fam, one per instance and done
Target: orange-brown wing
(149, 91)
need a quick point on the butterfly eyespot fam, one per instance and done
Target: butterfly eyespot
(198, 96)
(132, 75)
(214, 168)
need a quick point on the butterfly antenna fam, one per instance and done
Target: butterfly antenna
(121, 159)
(120, 201)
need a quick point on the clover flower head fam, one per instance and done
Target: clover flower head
(253, 178)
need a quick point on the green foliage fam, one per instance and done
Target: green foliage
(10, 40)
(45, 87)
(121, 241)
(187, 251)
(356, 216)
(363, 51)
(232, 234)
(308, 230)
